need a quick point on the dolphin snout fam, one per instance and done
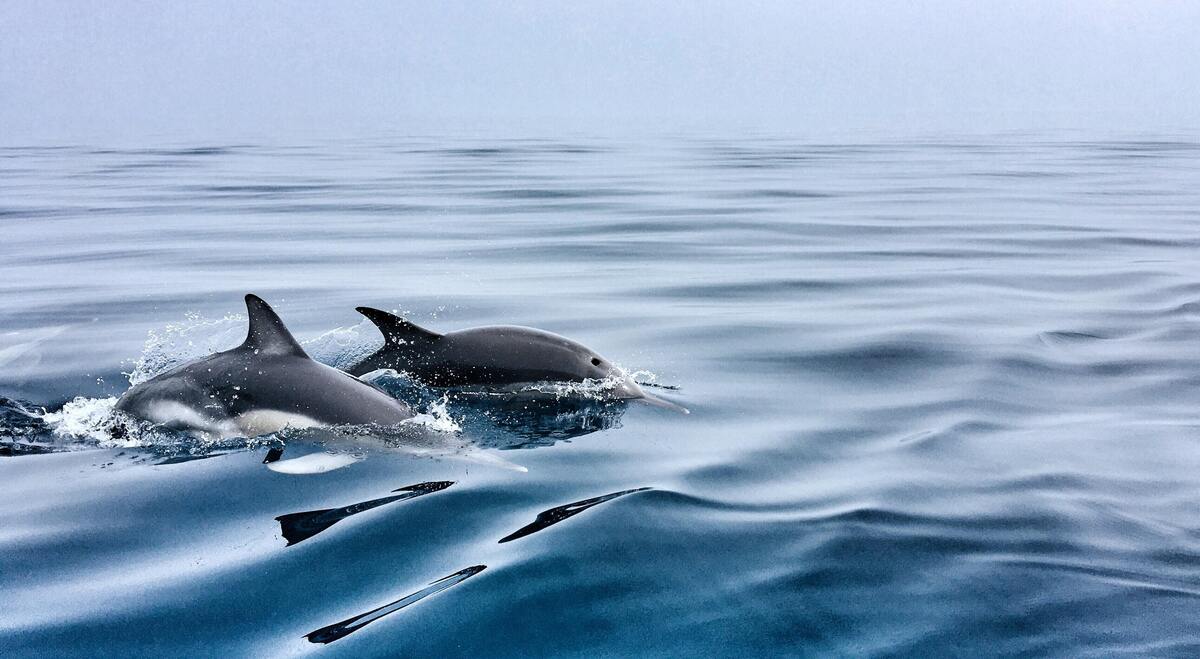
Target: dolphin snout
(628, 389)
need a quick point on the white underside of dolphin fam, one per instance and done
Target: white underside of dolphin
(251, 423)
(313, 463)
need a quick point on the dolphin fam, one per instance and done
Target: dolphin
(492, 356)
(266, 384)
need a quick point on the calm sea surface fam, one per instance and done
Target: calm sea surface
(945, 398)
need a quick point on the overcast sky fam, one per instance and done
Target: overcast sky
(83, 70)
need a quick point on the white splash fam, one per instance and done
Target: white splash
(437, 418)
(597, 389)
(196, 337)
(644, 377)
(87, 419)
(188, 340)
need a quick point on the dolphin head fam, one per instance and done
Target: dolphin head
(625, 387)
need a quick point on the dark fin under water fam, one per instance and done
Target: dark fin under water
(337, 630)
(396, 330)
(556, 515)
(267, 333)
(273, 455)
(298, 527)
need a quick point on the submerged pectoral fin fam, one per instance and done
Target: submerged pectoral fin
(313, 463)
(396, 330)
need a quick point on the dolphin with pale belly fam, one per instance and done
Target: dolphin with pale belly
(266, 384)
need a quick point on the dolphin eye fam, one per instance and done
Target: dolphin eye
(595, 361)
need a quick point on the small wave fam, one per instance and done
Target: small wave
(755, 289)
(21, 351)
(329, 208)
(555, 193)
(1138, 148)
(886, 358)
(1069, 336)
(478, 152)
(259, 190)
(179, 151)
(776, 193)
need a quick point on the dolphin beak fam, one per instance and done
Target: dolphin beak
(664, 403)
(628, 389)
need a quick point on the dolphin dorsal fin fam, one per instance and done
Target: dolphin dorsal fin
(267, 333)
(396, 330)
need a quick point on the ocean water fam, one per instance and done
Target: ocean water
(944, 395)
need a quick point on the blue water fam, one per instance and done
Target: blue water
(944, 397)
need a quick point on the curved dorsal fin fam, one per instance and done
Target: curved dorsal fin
(396, 330)
(267, 333)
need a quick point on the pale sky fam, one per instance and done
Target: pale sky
(86, 70)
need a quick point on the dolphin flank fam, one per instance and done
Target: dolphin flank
(266, 384)
(492, 356)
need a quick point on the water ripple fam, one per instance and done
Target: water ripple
(945, 395)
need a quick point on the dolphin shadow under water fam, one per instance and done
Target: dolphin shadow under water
(298, 527)
(544, 519)
(496, 419)
(557, 514)
(331, 633)
(516, 424)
